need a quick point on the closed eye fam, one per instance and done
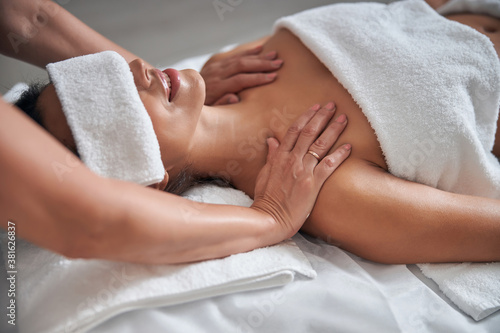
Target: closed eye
(490, 29)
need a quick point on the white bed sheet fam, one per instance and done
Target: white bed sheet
(348, 295)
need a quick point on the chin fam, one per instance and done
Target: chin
(196, 85)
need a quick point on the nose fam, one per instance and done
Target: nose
(142, 79)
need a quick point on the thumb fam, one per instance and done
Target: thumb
(273, 145)
(227, 99)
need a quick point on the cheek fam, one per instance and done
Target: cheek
(495, 39)
(174, 126)
(174, 132)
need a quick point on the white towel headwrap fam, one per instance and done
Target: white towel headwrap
(112, 130)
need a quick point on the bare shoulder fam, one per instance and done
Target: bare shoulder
(367, 211)
(342, 199)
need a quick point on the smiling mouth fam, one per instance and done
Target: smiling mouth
(167, 84)
(174, 82)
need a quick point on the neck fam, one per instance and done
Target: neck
(229, 144)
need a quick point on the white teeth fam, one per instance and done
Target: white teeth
(168, 81)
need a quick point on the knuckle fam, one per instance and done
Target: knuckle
(308, 183)
(288, 168)
(261, 78)
(294, 129)
(241, 64)
(331, 161)
(337, 127)
(292, 160)
(239, 80)
(310, 131)
(320, 144)
(334, 159)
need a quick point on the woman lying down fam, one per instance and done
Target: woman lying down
(421, 93)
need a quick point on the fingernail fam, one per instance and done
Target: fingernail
(347, 146)
(330, 106)
(341, 119)
(232, 99)
(277, 63)
(271, 55)
(271, 76)
(315, 107)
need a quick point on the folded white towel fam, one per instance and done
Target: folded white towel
(472, 286)
(430, 88)
(15, 92)
(60, 295)
(113, 132)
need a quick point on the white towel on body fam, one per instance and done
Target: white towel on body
(61, 295)
(430, 88)
(111, 127)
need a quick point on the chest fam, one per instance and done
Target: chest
(302, 82)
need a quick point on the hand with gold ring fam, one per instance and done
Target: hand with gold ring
(296, 168)
(314, 154)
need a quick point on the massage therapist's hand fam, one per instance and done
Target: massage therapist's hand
(290, 181)
(226, 77)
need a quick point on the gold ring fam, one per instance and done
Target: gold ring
(314, 154)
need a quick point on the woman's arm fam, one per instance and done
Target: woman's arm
(57, 203)
(386, 219)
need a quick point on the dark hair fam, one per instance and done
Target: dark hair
(28, 100)
(28, 103)
(185, 180)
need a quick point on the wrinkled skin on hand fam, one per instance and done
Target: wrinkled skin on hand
(289, 195)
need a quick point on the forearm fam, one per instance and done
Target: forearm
(158, 227)
(41, 180)
(41, 32)
(57, 203)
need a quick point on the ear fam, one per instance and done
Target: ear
(161, 185)
(164, 182)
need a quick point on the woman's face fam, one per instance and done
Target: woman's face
(172, 99)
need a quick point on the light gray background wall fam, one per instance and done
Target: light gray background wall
(164, 32)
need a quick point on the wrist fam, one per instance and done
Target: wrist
(274, 229)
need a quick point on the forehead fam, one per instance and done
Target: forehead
(53, 118)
